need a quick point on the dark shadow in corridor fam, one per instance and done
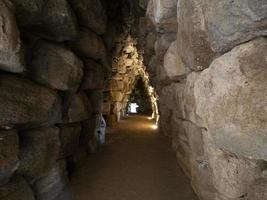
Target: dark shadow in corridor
(137, 163)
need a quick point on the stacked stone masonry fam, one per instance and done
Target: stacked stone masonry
(63, 63)
(53, 63)
(211, 81)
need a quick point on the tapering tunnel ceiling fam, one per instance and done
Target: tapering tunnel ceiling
(127, 68)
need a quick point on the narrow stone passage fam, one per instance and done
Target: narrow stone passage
(136, 164)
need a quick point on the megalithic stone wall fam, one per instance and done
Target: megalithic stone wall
(53, 62)
(211, 81)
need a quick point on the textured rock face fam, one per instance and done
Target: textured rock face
(232, 175)
(9, 149)
(39, 152)
(170, 98)
(16, 189)
(51, 19)
(230, 23)
(163, 43)
(28, 11)
(10, 44)
(231, 99)
(90, 14)
(188, 98)
(188, 143)
(163, 14)
(56, 66)
(69, 137)
(117, 95)
(193, 45)
(258, 190)
(149, 47)
(59, 21)
(53, 183)
(89, 45)
(143, 3)
(77, 108)
(173, 64)
(93, 75)
(96, 99)
(222, 95)
(89, 129)
(24, 102)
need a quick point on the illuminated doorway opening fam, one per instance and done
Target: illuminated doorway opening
(140, 101)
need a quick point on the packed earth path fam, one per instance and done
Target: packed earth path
(137, 163)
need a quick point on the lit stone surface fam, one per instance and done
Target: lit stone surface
(10, 44)
(56, 66)
(231, 99)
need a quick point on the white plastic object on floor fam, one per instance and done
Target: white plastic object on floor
(101, 131)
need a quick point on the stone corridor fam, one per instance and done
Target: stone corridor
(137, 163)
(198, 67)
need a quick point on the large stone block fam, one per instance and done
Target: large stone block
(258, 190)
(24, 103)
(89, 45)
(16, 189)
(143, 3)
(149, 49)
(232, 175)
(77, 107)
(88, 138)
(10, 44)
(51, 185)
(116, 95)
(118, 85)
(188, 101)
(162, 44)
(56, 66)
(28, 11)
(231, 99)
(69, 138)
(180, 143)
(193, 45)
(173, 65)
(165, 117)
(94, 75)
(152, 70)
(201, 172)
(230, 23)
(50, 19)
(9, 149)
(96, 99)
(171, 97)
(39, 150)
(201, 179)
(106, 108)
(163, 14)
(91, 14)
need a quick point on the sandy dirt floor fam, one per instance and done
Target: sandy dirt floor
(137, 163)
